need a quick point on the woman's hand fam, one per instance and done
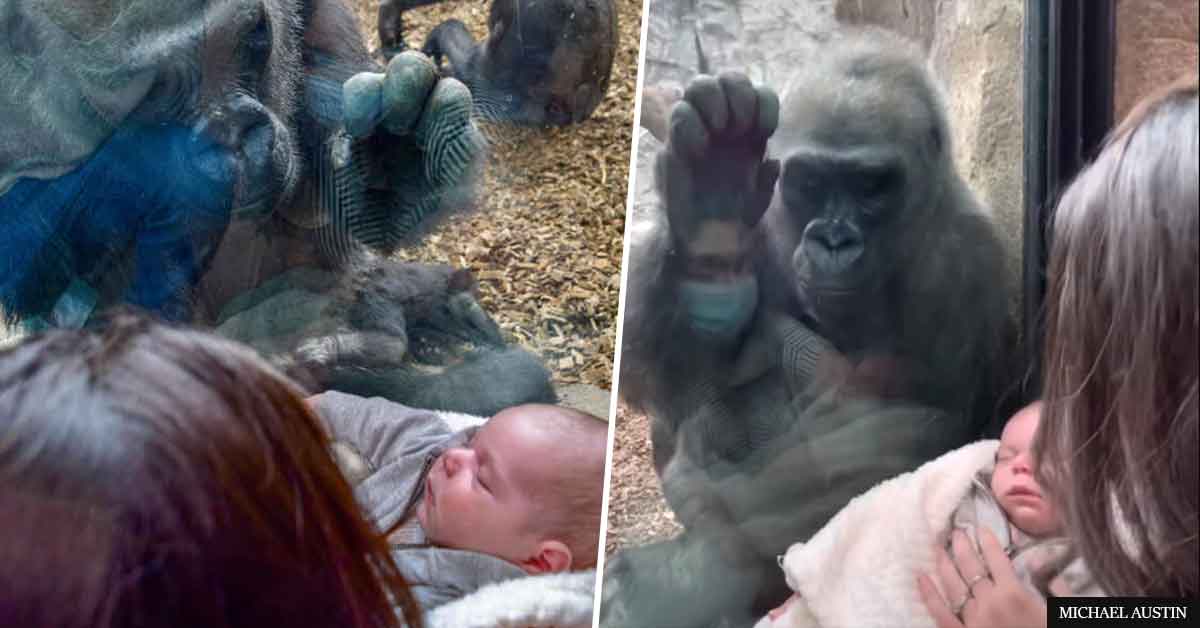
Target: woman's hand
(979, 595)
(778, 611)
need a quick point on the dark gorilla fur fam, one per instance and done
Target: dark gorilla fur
(257, 86)
(410, 332)
(923, 304)
(250, 93)
(544, 62)
(872, 240)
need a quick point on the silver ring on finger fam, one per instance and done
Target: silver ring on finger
(973, 581)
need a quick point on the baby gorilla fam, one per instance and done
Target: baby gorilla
(467, 506)
(544, 63)
(406, 331)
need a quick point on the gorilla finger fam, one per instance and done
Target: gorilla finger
(704, 93)
(410, 78)
(764, 189)
(688, 135)
(768, 111)
(447, 135)
(448, 107)
(674, 184)
(448, 111)
(362, 103)
(743, 100)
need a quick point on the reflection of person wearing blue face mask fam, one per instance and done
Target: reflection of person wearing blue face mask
(776, 356)
(720, 293)
(152, 198)
(720, 309)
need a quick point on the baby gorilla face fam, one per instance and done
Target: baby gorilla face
(485, 496)
(1013, 482)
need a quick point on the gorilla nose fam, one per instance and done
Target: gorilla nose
(836, 246)
(838, 237)
(230, 125)
(242, 127)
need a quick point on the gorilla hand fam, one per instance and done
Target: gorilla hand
(716, 186)
(690, 493)
(431, 140)
(713, 167)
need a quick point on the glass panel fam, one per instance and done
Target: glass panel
(774, 367)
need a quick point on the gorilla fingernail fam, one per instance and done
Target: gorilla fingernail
(362, 103)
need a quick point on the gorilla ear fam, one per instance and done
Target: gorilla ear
(461, 280)
(936, 141)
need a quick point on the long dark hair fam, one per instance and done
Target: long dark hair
(1118, 444)
(152, 476)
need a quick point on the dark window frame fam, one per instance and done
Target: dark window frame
(1069, 56)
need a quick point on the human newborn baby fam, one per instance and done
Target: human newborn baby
(526, 488)
(467, 506)
(860, 569)
(1008, 499)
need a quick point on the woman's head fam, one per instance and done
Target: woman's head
(152, 476)
(1118, 442)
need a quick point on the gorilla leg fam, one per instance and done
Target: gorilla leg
(391, 24)
(454, 42)
(483, 384)
(685, 582)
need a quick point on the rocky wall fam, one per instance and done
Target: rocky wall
(975, 47)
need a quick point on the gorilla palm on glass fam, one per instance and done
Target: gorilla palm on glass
(816, 302)
(246, 164)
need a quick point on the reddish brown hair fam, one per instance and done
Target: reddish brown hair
(152, 476)
(1118, 442)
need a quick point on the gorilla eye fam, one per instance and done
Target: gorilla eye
(257, 42)
(809, 186)
(876, 183)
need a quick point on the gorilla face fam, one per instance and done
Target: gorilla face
(135, 130)
(859, 178)
(234, 85)
(546, 63)
(553, 90)
(841, 200)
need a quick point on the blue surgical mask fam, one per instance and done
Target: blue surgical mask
(719, 309)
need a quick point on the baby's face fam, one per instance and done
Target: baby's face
(482, 497)
(1013, 483)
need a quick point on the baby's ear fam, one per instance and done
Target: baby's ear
(549, 557)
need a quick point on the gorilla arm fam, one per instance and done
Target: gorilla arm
(837, 449)
(697, 344)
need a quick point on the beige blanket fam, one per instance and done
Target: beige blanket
(860, 569)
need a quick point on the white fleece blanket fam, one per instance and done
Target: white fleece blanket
(549, 601)
(860, 569)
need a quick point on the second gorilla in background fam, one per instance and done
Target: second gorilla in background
(543, 63)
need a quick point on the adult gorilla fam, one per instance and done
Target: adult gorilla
(149, 147)
(801, 321)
